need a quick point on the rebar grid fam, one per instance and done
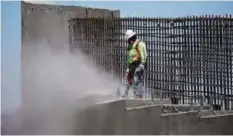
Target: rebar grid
(188, 58)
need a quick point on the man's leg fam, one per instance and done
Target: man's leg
(128, 84)
(138, 82)
(141, 83)
(141, 89)
(134, 78)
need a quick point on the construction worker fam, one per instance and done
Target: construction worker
(136, 62)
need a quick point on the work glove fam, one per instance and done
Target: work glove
(127, 71)
(126, 75)
(140, 68)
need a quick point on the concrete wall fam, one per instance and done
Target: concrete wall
(111, 118)
(45, 25)
(48, 24)
(191, 123)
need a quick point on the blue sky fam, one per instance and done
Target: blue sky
(11, 32)
(10, 54)
(160, 8)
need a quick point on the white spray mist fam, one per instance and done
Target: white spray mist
(56, 85)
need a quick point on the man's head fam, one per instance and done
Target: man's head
(130, 36)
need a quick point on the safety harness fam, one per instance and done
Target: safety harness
(138, 58)
(136, 43)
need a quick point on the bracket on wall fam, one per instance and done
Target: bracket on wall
(112, 14)
(86, 12)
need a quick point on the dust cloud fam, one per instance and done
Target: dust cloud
(57, 85)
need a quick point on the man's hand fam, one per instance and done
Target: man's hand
(126, 75)
(127, 71)
(141, 66)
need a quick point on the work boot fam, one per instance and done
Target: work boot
(135, 95)
(125, 95)
(140, 96)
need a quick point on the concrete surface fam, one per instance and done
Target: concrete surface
(132, 103)
(112, 118)
(44, 24)
(169, 108)
(49, 23)
(191, 123)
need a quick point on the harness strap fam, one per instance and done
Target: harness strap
(137, 50)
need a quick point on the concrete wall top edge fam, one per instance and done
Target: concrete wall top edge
(214, 116)
(47, 22)
(179, 113)
(44, 6)
(109, 101)
(143, 107)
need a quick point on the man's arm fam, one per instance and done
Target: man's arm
(143, 52)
